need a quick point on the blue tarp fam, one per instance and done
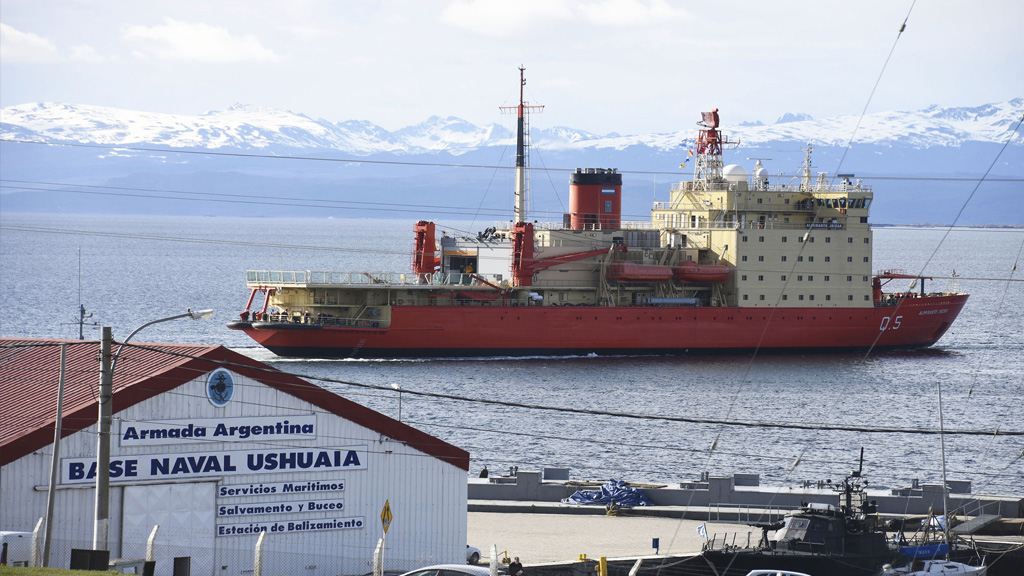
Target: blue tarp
(617, 490)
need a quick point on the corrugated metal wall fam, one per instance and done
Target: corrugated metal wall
(427, 496)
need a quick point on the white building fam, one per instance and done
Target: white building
(215, 447)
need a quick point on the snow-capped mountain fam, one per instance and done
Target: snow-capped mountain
(245, 127)
(923, 164)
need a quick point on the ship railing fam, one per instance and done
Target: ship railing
(727, 541)
(841, 188)
(325, 320)
(303, 278)
(745, 513)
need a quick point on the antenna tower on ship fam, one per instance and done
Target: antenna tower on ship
(805, 176)
(522, 159)
(708, 166)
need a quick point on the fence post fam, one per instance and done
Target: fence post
(258, 565)
(151, 544)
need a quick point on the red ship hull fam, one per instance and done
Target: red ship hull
(457, 331)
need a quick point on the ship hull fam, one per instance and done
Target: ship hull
(462, 331)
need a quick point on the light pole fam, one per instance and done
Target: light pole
(396, 386)
(107, 364)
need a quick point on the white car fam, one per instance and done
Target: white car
(472, 554)
(450, 570)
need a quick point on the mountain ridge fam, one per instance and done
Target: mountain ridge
(252, 127)
(924, 165)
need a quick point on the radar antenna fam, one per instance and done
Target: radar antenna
(708, 167)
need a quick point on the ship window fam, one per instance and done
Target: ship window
(812, 238)
(744, 238)
(828, 296)
(783, 258)
(799, 258)
(787, 200)
(849, 278)
(607, 205)
(744, 258)
(826, 278)
(865, 258)
(865, 296)
(761, 297)
(849, 297)
(863, 219)
(783, 277)
(865, 240)
(744, 277)
(865, 278)
(760, 200)
(800, 278)
(760, 278)
(810, 258)
(811, 297)
(785, 297)
(744, 296)
(760, 239)
(828, 258)
(810, 278)
(849, 258)
(786, 220)
(828, 239)
(849, 240)
(760, 258)
(800, 297)
(784, 239)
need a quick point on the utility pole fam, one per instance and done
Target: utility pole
(102, 522)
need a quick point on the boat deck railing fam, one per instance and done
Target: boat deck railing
(302, 278)
(745, 513)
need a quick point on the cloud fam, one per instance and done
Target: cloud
(21, 47)
(528, 16)
(188, 42)
(85, 53)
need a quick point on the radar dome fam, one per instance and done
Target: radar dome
(735, 173)
(760, 174)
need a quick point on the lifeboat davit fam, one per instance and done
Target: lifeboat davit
(693, 272)
(629, 272)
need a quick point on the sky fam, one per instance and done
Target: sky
(622, 66)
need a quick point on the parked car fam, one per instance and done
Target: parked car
(472, 554)
(450, 570)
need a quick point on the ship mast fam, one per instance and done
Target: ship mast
(708, 168)
(522, 131)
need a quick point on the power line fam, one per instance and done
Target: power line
(439, 164)
(628, 415)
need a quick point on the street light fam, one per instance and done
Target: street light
(102, 521)
(396, 386)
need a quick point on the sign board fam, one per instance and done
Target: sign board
(385, 516)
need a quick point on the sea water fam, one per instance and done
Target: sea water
(639, 419)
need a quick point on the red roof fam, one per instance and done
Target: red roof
(30, 371)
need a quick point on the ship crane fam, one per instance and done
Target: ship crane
(524, 265)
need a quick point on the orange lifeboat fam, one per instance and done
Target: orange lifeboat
(629, 272)
(693, 272)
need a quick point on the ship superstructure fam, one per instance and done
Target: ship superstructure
(731, 261)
